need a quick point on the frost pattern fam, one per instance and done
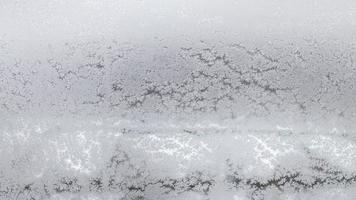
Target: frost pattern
(136, 100)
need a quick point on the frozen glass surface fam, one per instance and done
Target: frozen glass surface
(177, 100)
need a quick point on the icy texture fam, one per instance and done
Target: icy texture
(95, 159)
(294, 85)
(157, 99)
